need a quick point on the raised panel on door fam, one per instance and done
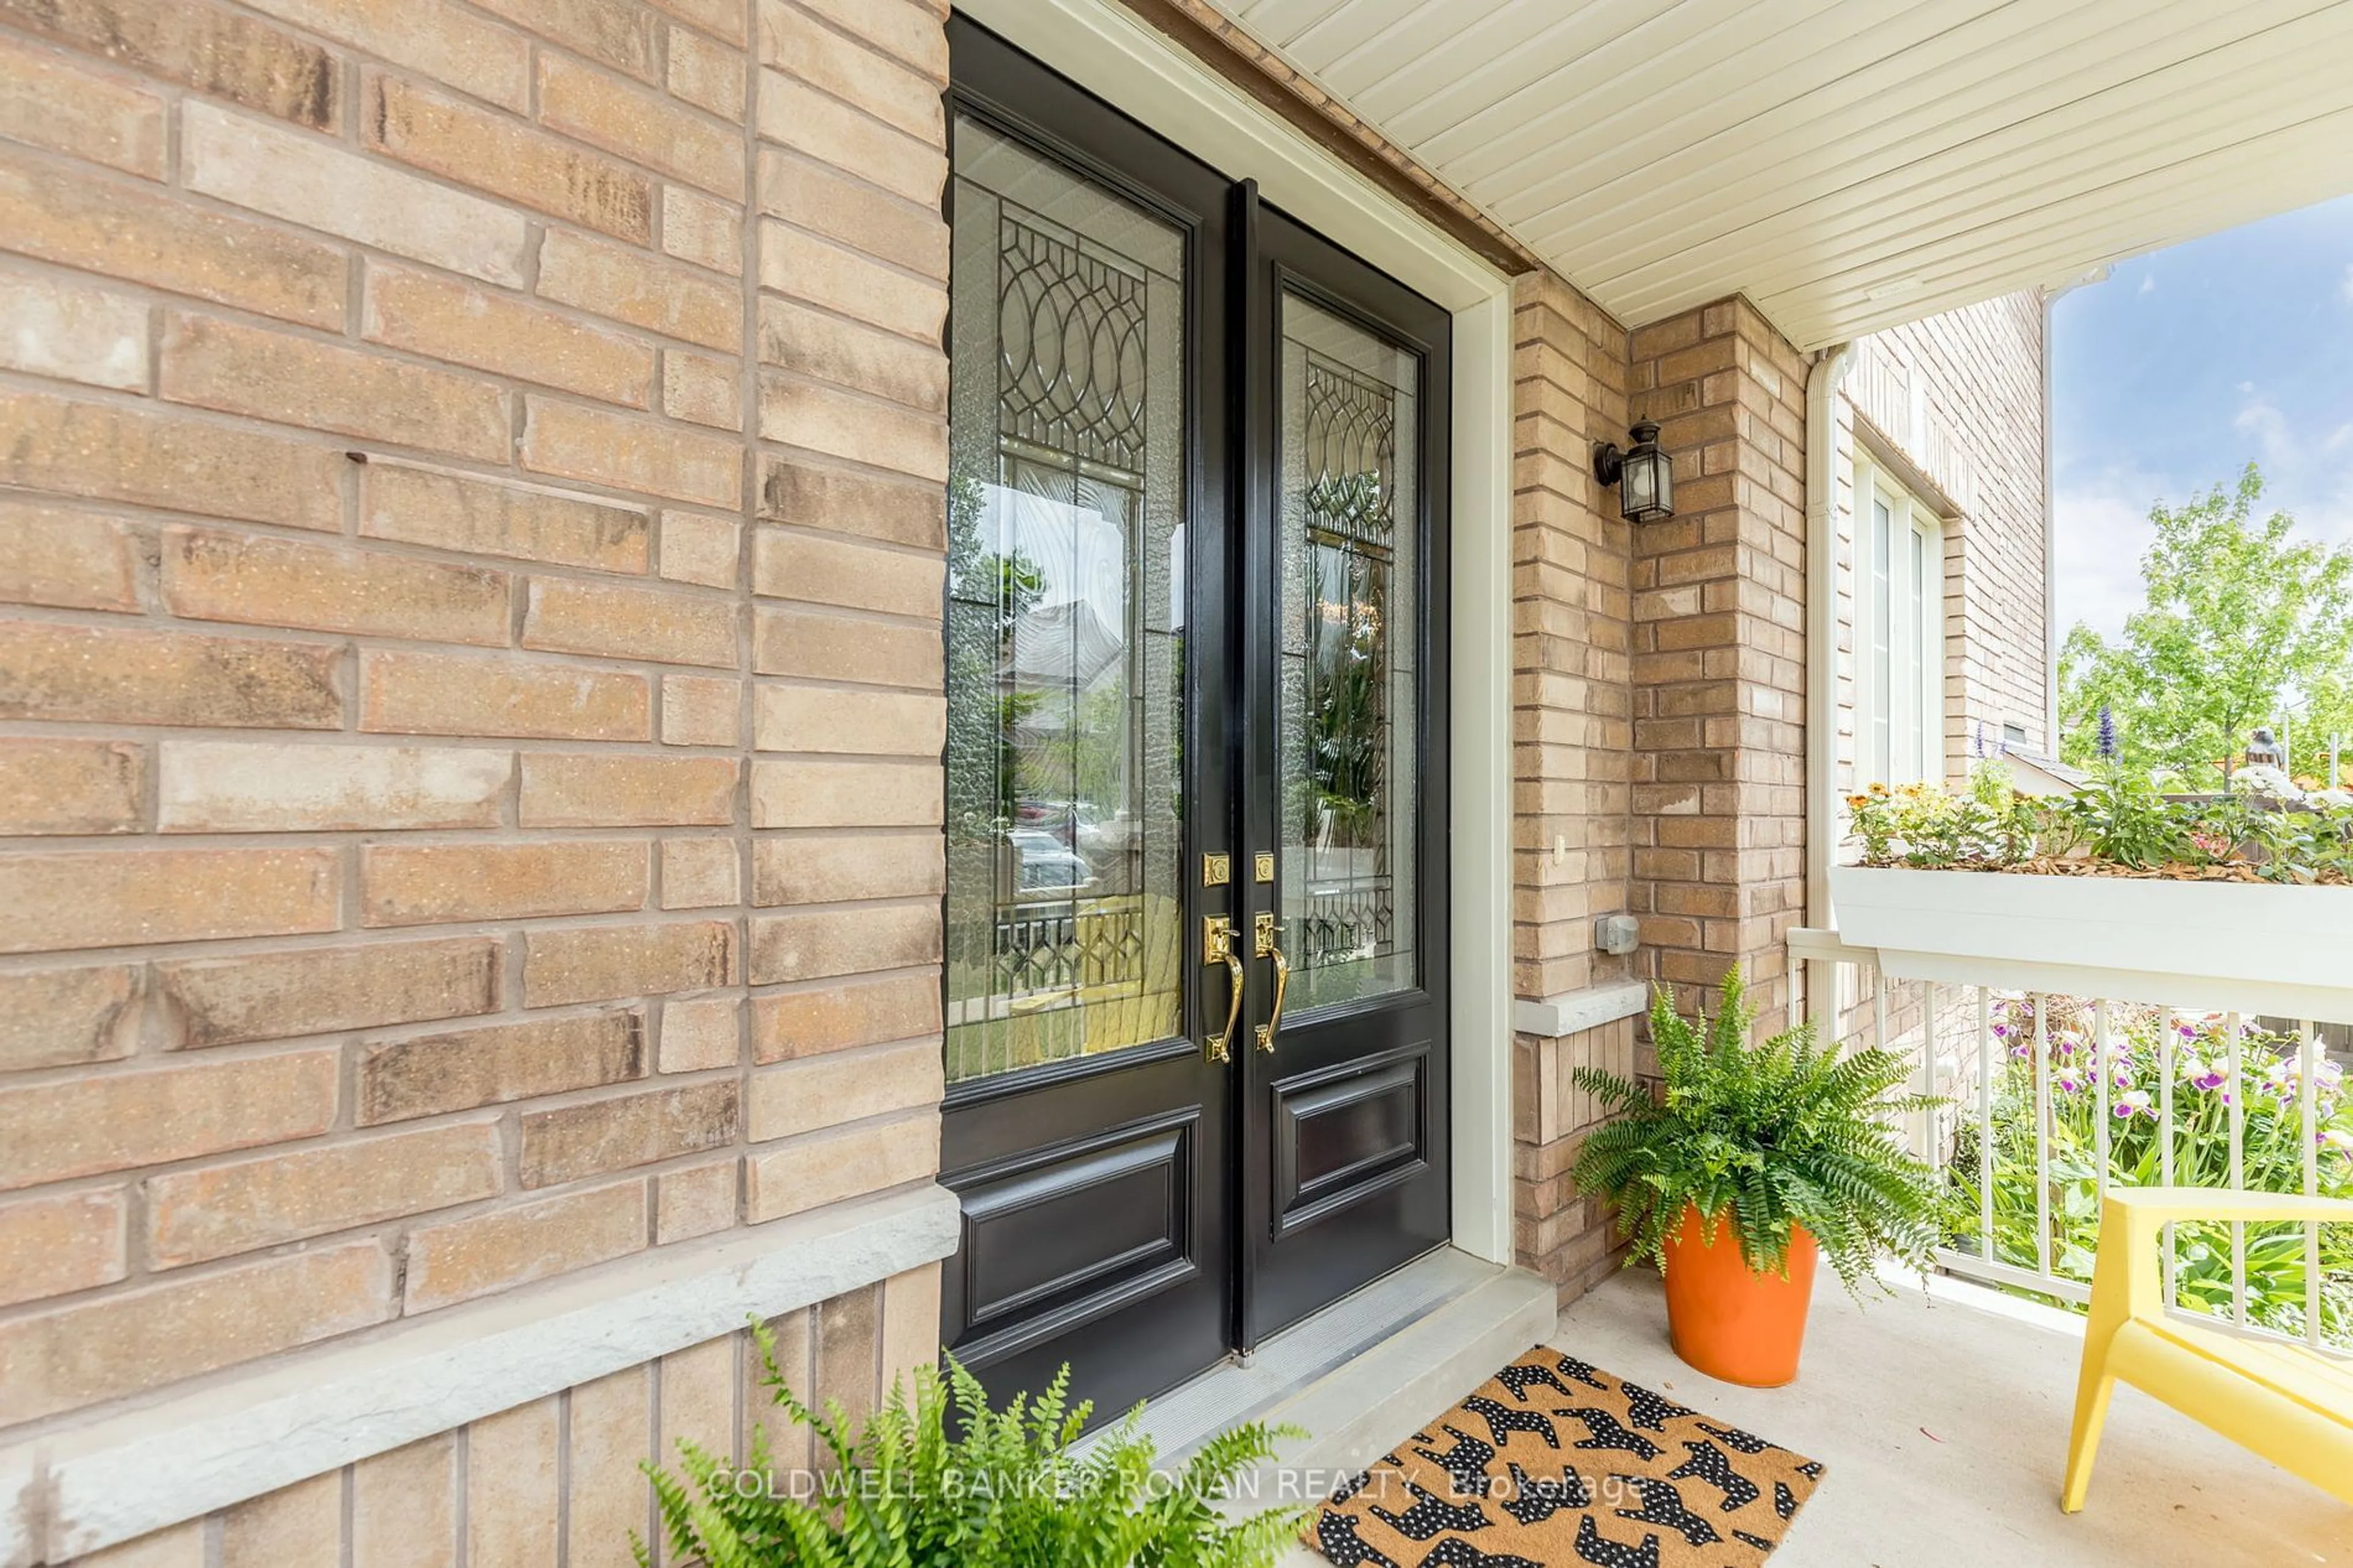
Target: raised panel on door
(1346, 373)
(1087, 771)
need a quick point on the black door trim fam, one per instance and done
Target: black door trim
(1160, 1278)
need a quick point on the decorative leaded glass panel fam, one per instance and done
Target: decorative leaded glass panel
(1350, 710)
(1065, 623)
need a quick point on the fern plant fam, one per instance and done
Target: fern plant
(918, 1487)
(1791, 1132)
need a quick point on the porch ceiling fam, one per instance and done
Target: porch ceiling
(1847, 164)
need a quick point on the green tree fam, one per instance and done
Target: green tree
(2241, 621)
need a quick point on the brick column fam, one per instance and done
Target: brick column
(1719, 654)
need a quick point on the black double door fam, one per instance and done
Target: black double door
(1196, 915)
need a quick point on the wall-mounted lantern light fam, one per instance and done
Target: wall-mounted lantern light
(1645, 476)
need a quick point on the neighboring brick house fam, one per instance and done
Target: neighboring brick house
(479, 484)
(1953, 410)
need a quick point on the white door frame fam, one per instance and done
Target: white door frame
(1101, 46)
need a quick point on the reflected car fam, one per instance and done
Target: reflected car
(1045, 865)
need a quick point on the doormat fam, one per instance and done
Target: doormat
(1554, 1464)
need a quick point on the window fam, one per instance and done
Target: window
(1900, 620)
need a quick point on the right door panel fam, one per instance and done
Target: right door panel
(1347, 1120)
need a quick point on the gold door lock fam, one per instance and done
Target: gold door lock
(1217, 947)
(1265, 947)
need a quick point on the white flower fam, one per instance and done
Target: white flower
(2262, 778)
(2330, 799)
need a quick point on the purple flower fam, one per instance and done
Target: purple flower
(2069, 1083)
(2127, 1106)
(2107, 733)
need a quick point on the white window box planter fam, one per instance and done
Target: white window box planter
(2220, 946)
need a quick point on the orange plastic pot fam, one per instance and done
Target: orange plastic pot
(1728, 1319)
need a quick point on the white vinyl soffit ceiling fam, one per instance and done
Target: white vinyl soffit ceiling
(1848, 164)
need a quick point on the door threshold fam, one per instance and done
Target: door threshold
(1361, 1374)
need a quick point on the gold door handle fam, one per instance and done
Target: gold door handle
(1266, 948)
(1217, 947)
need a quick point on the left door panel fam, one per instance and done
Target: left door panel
(1088, 768)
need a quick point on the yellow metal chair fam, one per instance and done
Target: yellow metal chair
(2291, 1405)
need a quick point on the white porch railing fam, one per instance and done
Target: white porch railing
(2050, 1098)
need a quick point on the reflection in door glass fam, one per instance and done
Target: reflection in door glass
(1065, 615)
(1350, 698)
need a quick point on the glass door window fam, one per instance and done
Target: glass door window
(1349, 698)
(1065, 615)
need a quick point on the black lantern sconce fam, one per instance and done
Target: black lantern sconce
(1645, 476)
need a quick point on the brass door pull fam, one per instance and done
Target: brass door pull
(1266, 948)
(1217, 947)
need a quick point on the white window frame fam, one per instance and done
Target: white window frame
(1899, 632)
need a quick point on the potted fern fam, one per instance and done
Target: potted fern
(935, 1479)
(1752, 1162)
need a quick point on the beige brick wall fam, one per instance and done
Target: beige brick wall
(1558, 1231)
(1960, 396)
(1572, 562)
(557, 1480)
(453, 453)
(1572, 559)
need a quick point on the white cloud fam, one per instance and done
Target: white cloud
(2148, 283)
(2307, 471)
(2275, 441)
(2102, 528)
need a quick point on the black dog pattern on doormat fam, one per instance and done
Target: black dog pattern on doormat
(1553, 1463)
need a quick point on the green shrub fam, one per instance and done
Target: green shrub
(946, 1482)
(2118, 821)
(1787, 1133)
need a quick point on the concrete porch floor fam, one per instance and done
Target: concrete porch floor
(1943, 1419)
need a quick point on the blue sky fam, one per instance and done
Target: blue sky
(2186, 365)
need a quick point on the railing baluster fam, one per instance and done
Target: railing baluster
(1936, 1151)
(1985, 1123)
(2042, 1133)
(1878, 1008)
(2101, 1066)
(2307, 1115)
(2165, 1141)
(2238, 1119)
